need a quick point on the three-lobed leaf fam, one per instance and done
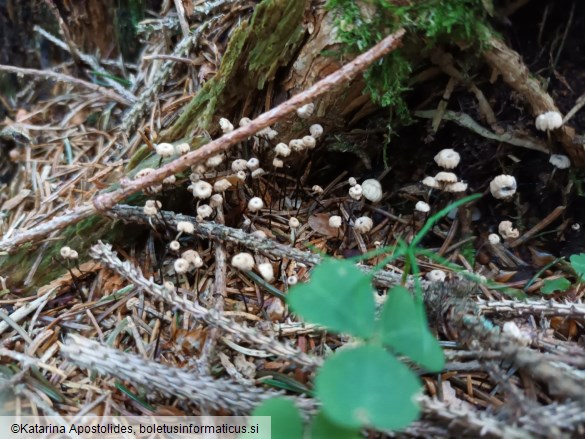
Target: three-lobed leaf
(578, 263)
(404, 328)
(323, 428)
(367, 386)
(551, 285)
(339, 296)
(286, 422)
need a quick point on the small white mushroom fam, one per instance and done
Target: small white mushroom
(363, 224)
(277, 163)
(204, 211)
(225, 125)
(201, 189)
(296, 145)
(253, 164)
(494, 239)
(214, 161)
(335, 221)
(317, 189)
(243, 261)
(181, 266)
(65, 252)
(221, 185)
(216, 200)
(355, 192)
(182, 148)
(503, 186)
(446, 177)
(293, 222)
(282, 149)
(241, 175)
(434, 276)
(73, 254)
(185, 227)
(447, 158)
(174, 245)
(456, 187)
(292, 280)
(560, 161)
(316, 130)
(165, 149)
(255, 204)
(309, 142)
(372, 190)
(551, 120)
(507, 230)
(151, 207)
(421, 206)
(171, 179)
(245, 121)
(306, 111)
(431, 182)
(239, 165)
(266, 271)
(143, 173)
(256, 173)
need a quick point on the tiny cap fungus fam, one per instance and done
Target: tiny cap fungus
(214, 161)
(245, 121)
(560, 161)
(296, 144)
(363, 224)
(352, 181)
(174, 245)
(551, 120)
(507, 230)
(241, 175)
(171, 179)
(436, 276)
(421, 206)
(306, 111)
(216, 200)
(335, 221)
(494, 238)
(446, 177)
(372, 190)
(143, 173)
(292, 280)
(266, 271)
(181, 266)
(316, 130)
(309, 142)
(355, 192)
(282, 149)
(503, 186)
(65, 252)
(185, 227)
(182, 148)
(431, 182)
(456, 187)
(243, 261)
(293, 222)
(201, 189)
(256, 173)
(447, 158)
(277, 163)
(255, 204)
(239, 165)
(317, 189)
(204, 211)
(221, 185)
(165, 149)
(253, 164)
(225, 125)
(151, 207)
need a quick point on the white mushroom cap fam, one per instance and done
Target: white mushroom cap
(245, 121)
(317, 189)
(255, 204)
(560, 161)
(253, 164)
(277, 163)
(316, 130)
(258, 173)
(507, 230)
(239, 165)
(201, 189)
(372, 190)
(204, 211)
(352, 181)
(282, 149)
(431, 182)
(185, 227)
(225, 125)
(456, 187)
(65, 252)
(296, 144)
(266, 271)
(241, 175)
(143, 173)
(494, 238)
(243, 261)
(181, 265)
(309, 142)
(335, 221)
(221, 185)
(363, 224)
(306, 111)
(293, 222)
(436, 276)
(174, 245)
(503, 186)
(447, 158)
(292, 280)
(182, 148)
(421, 206)
(551, 120)
(446, 177)
(165, 149)
(214, 161)
(355, 192)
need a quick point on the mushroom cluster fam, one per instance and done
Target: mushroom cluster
(445, 180)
